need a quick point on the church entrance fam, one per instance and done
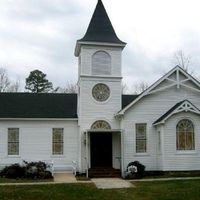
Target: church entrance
(101, 149)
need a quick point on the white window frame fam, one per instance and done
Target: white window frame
(159, 142)
(54, 153)
(193, 138)
(101, 64)
(13, 143)
(140, 138)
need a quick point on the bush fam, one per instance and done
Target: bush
(34, 170)
(135, 170)
(37, 170)
(13, 171)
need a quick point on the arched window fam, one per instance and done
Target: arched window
(101, 124)
(101, 63)
(185, 135)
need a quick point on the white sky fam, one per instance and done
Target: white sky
(41, 34)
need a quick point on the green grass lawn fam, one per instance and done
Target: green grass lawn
(166, 190)
(9, 180)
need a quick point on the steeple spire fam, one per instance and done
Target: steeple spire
(100, 28)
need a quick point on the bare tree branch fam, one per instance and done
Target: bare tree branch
(124, 88)
(69, 88)
(4, 80)
(14, 87)
(182, 60)
(140, 87)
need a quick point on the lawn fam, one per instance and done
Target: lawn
(166, 190)
(8, 180)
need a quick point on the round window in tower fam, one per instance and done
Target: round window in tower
(101, 92)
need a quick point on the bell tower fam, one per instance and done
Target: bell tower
(99, 73)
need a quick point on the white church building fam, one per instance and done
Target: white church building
(99, 128)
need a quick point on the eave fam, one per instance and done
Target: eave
(183, 106)
(38, 119)
(178, 83)
(89, 43)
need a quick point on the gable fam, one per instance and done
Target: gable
(175, 78)
(183, 106)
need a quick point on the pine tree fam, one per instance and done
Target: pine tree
(37, 82)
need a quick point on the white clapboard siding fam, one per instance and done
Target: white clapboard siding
(116, 150)
(89, 109)
(35, 141)
(181, 160)
(86, 59)
(148, 110)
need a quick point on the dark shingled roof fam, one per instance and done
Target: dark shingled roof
(126, 99)
(100, 28)
(168, 112)
(42, 105)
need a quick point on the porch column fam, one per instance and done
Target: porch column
(122, 153)
(86, 157)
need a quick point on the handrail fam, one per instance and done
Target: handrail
(74, 167)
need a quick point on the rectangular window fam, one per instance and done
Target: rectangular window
(159, 142)
(141, 146)
(57, 141)
(13, 141)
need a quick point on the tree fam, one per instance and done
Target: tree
(14, 86)
(37, 82)
(4, 80)
(140, 87)
(69, 88)
(124, 88)
(182, 60)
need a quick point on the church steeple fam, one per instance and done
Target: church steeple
(100, 29)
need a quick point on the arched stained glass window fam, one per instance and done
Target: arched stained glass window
(101, 124)
(185, 135)
(101, 63)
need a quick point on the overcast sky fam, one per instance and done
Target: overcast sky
(41, 34)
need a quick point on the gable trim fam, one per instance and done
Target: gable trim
(183, 106)
(177, 82)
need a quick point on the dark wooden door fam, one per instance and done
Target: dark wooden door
(101, 149)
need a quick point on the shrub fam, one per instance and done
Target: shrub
(13, 171)
(34, 170)
(135, 170)
(37, 170)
